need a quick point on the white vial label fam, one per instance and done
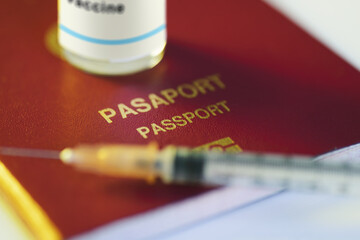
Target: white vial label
(112, 30)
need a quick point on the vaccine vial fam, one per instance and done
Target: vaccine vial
(112, 37)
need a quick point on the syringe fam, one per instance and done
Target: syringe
(182, 165)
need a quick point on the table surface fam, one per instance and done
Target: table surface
(286, 211)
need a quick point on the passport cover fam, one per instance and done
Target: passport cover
(235, 71)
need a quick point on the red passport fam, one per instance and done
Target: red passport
(235, 74)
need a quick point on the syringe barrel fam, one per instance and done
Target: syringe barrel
(295, 172)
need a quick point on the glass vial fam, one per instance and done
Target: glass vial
(112, 37)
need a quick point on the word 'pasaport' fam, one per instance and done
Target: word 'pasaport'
(164, 98)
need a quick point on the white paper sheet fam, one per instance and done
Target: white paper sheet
(335, 23)
(11, 226)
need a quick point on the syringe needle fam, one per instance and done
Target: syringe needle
(29, 152)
